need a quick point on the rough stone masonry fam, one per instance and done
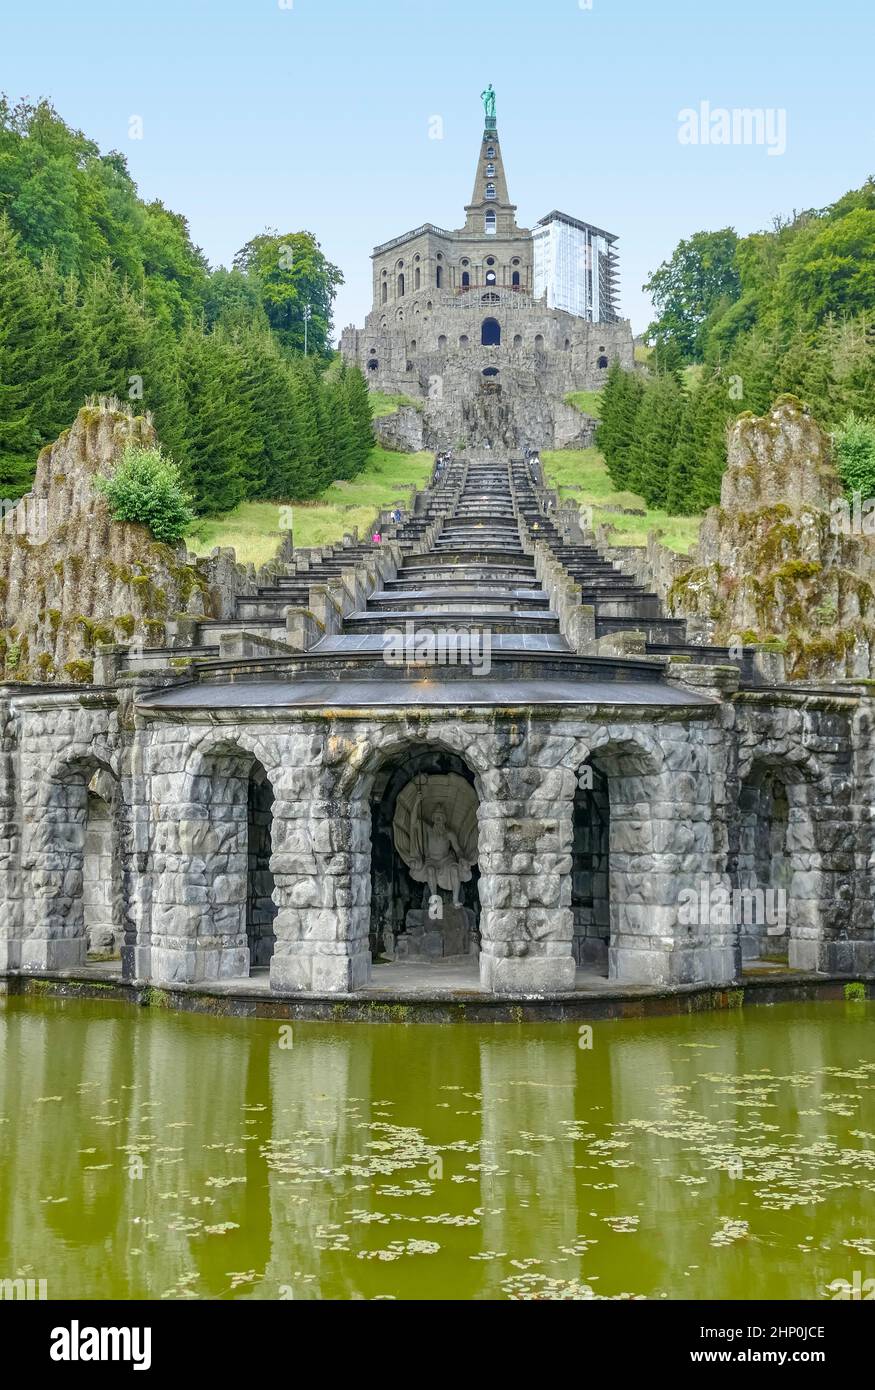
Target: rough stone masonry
(221, 803)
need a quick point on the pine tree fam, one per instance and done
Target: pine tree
(622, 427)
(215, 441)
(682, 464)
(667, 413)
(714, 410)
(28, 362)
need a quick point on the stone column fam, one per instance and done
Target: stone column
(665, 841)
(321, 869)
(10, 847)
(199, 868)
(526, 923)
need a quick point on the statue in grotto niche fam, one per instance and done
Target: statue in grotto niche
(435, 832)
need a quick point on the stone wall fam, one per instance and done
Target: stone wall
(675, 789)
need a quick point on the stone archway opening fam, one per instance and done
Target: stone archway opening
(590, 871)
(101, 870)
(80, 909)
(490, 333)
(425, 901)
(763, 878)
(261, 908)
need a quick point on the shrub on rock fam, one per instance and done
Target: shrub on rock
(146, 487)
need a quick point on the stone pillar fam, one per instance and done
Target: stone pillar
(322, 886)
(10, 847)
(199, 867)
(666, 846)
(526, 923)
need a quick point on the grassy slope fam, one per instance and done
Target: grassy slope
(253, 527)
(383, 405)
(580, 474)
(585, 401)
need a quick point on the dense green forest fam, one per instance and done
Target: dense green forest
(740, 322)
(101, 292)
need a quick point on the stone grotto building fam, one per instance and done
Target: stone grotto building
(479, 751)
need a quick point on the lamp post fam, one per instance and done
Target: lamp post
(308, 314)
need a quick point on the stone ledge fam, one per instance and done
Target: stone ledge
(454, 1006)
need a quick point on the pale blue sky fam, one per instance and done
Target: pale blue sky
(316, 115)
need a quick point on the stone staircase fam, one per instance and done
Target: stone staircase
(483, 549)
(474, 574)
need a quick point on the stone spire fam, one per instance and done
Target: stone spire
(490, 183)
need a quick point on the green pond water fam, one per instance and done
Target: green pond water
(147, 1154)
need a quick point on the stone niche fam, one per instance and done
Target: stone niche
(424, 898)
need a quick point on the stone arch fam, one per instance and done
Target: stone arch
(539, 342)
(490, 333)
(405, 920)
(383, 888)
(602, 363)
(779, 866)
(442, 342)
(78, 863)
(517, 340)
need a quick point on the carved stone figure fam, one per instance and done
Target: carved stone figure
(435, 832)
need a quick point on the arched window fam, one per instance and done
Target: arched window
(567, 344)
(518, 340)
(463, 341)
(466, 279)
(438, 276)
(489, 371)
(400, 285)
(490, 277)
(603, 362)
(442, 343)
(490, 191)
(515, 279)
(491, 298)
(385, 291)
(490, 224)
(373, 365)
(413, 345)
(416, 278)
(539, 343)
(490, 333)
(490, 152)
(490, 170)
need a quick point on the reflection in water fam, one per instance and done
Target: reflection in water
(148, 1154)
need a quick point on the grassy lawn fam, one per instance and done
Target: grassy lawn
(586, 401)
(381, 404)
(580, 475)
(253, 527)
